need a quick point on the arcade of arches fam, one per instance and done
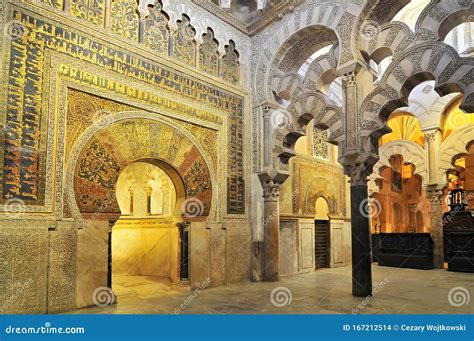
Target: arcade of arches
(187, 146)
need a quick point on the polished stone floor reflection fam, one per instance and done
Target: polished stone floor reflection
(327, 291)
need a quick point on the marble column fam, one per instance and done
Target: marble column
(109, 252)
(183, 252)
(130, 190)
(148, 191)
(271, 230)
(267, 138)
(435, 196)
(360, 233)
(433, 141)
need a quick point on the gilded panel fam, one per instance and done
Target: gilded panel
(92, 11)
(84, 110)
(230, 70)
(156, 34)
(25, 135)
(58, 4)
(62, 268)
(209, 55)
(310, 179)
(24, 254)
(124, 18)
(184, 46)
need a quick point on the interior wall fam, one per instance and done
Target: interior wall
(410, 200)
(137, 181)
(60, 264)
(307, 195)
(144, 247)
(92, 260)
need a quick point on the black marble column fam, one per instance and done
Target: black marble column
(183, 251)
(109, 254)
(361, 256)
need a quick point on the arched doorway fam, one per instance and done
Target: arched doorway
(321, 233)
(95, 165)
(144, 238)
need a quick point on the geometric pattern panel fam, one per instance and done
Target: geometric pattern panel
(320, 144)
(23, 269)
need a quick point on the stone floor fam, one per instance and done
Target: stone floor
(326, 291)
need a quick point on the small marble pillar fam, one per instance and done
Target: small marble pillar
(183, 250)
(360, 233)
(109, 252)
(148, 191)
(435, 195)
(130, 190)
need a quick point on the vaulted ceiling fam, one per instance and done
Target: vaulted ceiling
(245, 15)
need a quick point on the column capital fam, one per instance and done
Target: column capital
(431, 136)
(267, 112)
(349, 78)
(271, 181)
(434, 194)
(358, 168)
(359, 174)
(271, 192)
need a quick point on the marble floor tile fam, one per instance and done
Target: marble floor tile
(327, 291)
